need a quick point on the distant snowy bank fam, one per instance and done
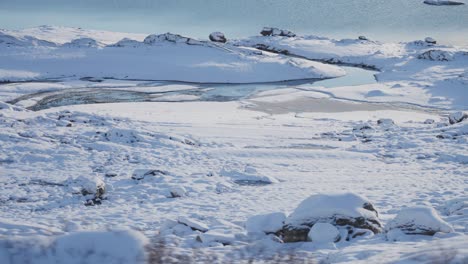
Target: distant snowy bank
(422, 72)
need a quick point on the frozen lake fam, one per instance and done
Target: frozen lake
(161, 91)
(387, 20)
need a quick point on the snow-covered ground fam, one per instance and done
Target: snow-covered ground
(373, 173)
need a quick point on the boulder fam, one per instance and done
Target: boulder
(266, 223)
(421, 220)
(269, 31)
(324, 233)
(363, 38)
(218, 37)
(346, 210)
(430, 40)
(457, 117)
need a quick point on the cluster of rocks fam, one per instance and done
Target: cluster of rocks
(274, 32)
(332, 218)
(436, 55)
(169, 37)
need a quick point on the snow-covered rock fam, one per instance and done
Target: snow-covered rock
(266, 223)
(338, 209)
(216, 236)
(126, 42)
(171, 38)
(457, 206)
(436, 55)
(218, 37)
(249, 176)
(140, 174)
(442, 2)
(385, 122)
(324, 233)
(177, 192)
(82, 43)
(430, 40)
(193, 223)
(421, 220)
(269, 31)
(457, 117)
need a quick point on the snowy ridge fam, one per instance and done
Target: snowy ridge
(158, 57)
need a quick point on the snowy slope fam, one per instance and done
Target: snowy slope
(158, 57)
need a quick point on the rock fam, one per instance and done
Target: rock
(248, 177)
(385, 122)
(268, 31)
(437, 55)
(429, 121)
(457, 117)
(430, 40)
(217, 37)
(169, 37)
(126, 42)
(266, 223)
(421, 220)
(92, 188)
(216, 236)
(324, 233)
(343, 210)
(140, 174)
(363, 38)
(193, 224)
(177, 192)
(458, 206)
(442, 2)
(82, 43)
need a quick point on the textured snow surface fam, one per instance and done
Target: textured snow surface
(207, 178)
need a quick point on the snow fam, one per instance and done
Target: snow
(266, 223)
(324, 233)
(219, 178)
(159, 57)
(192, 223)
(80, 247)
